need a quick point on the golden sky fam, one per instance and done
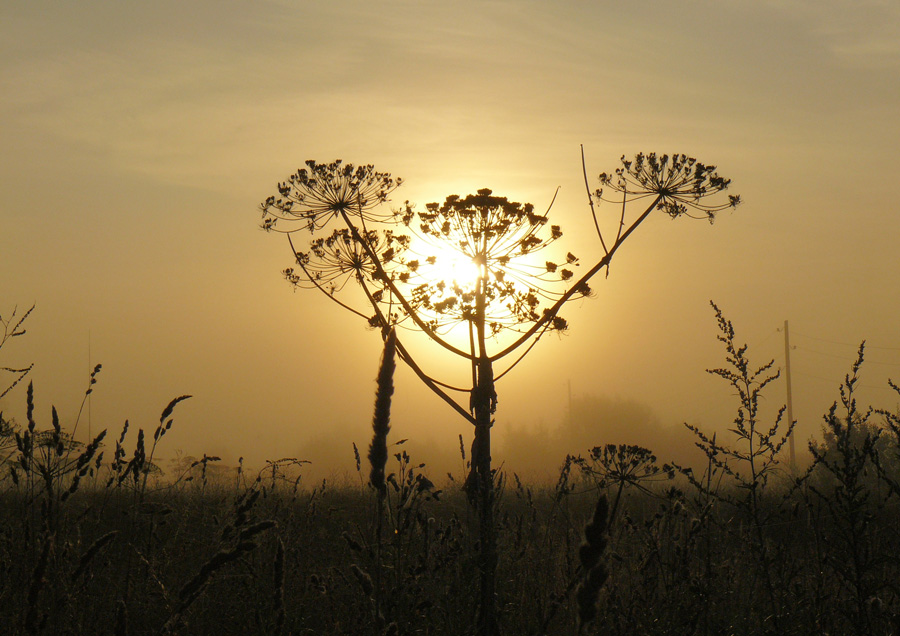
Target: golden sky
(139, 138)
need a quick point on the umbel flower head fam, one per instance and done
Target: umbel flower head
(337, 258)
(624, 464)
(499, 237)
(681, 184)
(314, 195)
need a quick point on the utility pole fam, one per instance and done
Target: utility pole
(90, 369)
(790, 408)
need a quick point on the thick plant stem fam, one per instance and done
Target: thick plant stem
(484, 403)
(484, 500)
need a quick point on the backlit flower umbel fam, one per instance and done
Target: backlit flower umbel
(500, 238)
(313, 196)
(337, 258)
(681, 184)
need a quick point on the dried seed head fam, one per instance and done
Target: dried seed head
(381, 422)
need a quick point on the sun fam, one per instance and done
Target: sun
(452, 267)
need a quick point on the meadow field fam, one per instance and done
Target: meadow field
(95, 540)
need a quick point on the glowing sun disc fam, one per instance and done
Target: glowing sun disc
(452, 266)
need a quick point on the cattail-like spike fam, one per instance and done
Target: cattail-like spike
(381, 422)
(363, 578)
(378, 455)
(29, 402)
(171, 407)
(91, 552)
(595, 572)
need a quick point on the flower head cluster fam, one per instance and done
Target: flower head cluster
(337, 258)
(499, 238)
(680, 183)
(624, 464)
(314, 195)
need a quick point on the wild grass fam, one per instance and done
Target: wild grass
(264, 560)
(207, 562)
(622, 544)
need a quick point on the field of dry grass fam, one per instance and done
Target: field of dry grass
(94, 539)
(262, 556)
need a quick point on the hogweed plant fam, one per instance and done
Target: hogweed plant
(480, 275)
(621, 466)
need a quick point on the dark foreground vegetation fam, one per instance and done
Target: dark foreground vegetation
(94, 540)
(261, 557)
(623, 544)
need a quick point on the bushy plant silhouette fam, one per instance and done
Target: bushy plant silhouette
(12, 328)
(394, 257)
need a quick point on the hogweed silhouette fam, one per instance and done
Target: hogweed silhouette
(511, 301)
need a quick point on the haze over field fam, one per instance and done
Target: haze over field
(139, 139)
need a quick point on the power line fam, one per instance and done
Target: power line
(766, 339)
(834, 381)
(845, 344)
(843, 357)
